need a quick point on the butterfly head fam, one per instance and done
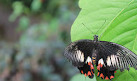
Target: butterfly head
(95, 38)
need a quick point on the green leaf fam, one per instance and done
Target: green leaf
(23, 23)
(18, 9)
(120, 26)
(36, 5)
(80, 77)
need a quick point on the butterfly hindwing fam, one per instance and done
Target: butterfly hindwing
(87, 70)
(103, 71)
(111, 57)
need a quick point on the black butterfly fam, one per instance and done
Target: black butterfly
(107, 56)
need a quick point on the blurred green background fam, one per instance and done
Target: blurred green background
(33, 35)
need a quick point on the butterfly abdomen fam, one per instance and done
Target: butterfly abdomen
(94, 56)
(94, 60)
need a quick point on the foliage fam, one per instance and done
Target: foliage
(80, 77)
(120, 26)
(38, 53)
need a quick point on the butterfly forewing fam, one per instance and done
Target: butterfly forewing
(117, 56)
(80, 54)
(78, 51)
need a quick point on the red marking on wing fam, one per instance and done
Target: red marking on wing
(99, 66)
(89, 63)
(98, 74)
(106, 78)
(85, 74)
(89, 73)
(82, 72)
(101, 75)
(111, 77)
(92, 67)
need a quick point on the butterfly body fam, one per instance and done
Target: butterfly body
(107, 56)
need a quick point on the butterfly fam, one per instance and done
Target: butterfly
(107, 56)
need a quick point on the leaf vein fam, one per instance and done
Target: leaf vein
(116, 16)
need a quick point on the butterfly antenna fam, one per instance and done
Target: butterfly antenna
(101, 26)
(88, 29)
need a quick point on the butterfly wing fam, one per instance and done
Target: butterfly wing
(80, 53)
(112, 56)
